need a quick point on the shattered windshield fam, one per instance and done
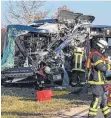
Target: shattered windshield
(9, 50)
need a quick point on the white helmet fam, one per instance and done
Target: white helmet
(47, 69)
(102, 44)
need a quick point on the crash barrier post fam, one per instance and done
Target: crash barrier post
(109, 95)
(44, 95)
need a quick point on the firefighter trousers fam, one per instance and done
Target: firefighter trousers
(99, 99)
(78, 77)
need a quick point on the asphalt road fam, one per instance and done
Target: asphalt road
(100, 115)
(84, 114)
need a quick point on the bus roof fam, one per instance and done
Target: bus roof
(100, 26)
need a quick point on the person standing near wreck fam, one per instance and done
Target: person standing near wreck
(97, 66)
(78, 68)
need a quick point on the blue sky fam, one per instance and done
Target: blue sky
(101, 10)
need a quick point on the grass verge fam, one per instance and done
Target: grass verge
(27, 107)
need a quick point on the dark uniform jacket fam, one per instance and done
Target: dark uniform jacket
(98, 68)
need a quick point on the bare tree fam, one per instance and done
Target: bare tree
(24, 12)
(59, 9)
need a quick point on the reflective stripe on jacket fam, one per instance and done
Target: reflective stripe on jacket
(78, 62)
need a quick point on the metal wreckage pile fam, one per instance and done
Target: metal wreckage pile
(36, 53)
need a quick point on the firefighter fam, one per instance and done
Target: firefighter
(78, 69)
(97, 66)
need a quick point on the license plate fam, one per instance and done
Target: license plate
(57, 77)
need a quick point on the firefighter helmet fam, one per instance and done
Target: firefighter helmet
(102, 44)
